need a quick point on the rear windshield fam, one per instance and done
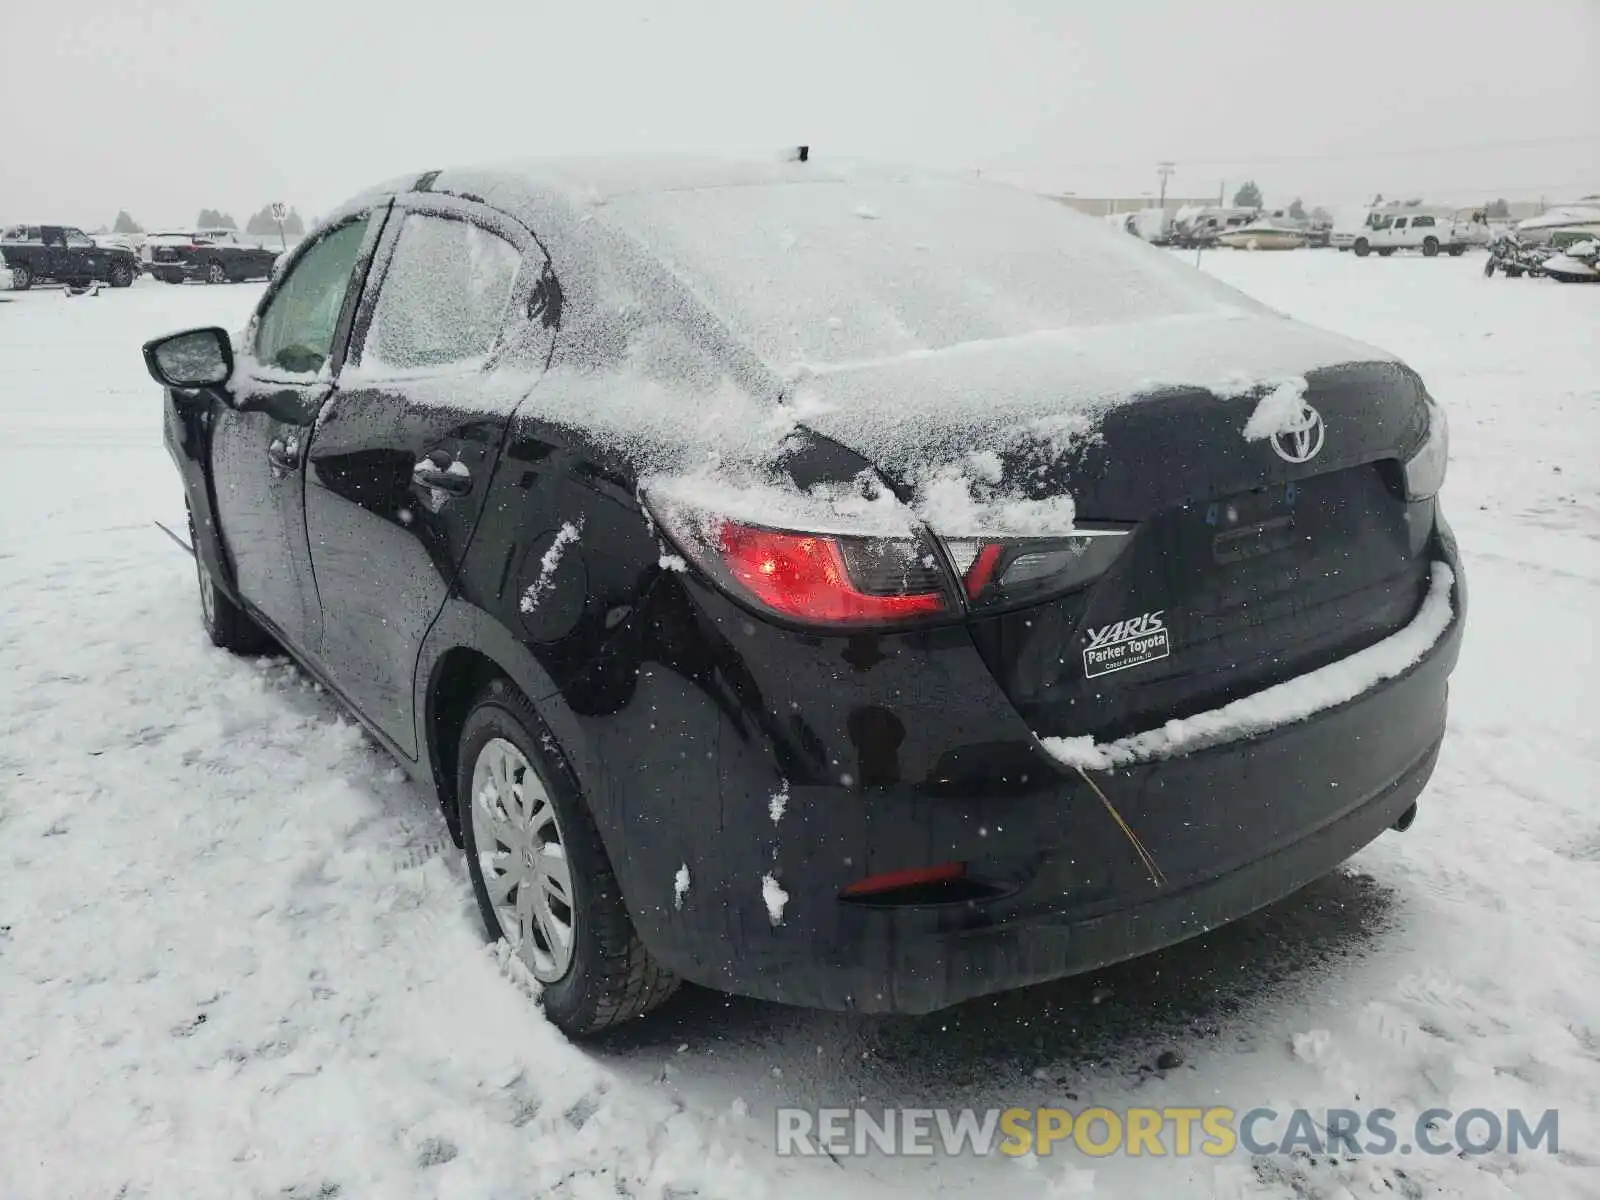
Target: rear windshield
(836, 272)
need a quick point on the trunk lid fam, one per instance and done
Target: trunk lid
(1240, 567)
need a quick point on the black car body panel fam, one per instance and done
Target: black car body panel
(385, 547)
(1052, 886)
(218, 255)
(64, 254)
(411, 534)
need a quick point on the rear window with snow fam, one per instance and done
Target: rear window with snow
(830, 272)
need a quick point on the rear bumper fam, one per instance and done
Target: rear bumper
(1233, 827)
(188, 270)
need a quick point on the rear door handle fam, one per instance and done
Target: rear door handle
(442, 473)
(284, 455)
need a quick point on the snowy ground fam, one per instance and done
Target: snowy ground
(239, 958)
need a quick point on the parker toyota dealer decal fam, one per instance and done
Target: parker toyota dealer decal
(1130, 643)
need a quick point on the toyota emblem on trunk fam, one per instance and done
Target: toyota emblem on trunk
(1302, 441)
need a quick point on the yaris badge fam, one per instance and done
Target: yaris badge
(1301, 441)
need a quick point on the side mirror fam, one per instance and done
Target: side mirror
(195, 358)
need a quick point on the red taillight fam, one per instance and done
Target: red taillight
(806, 576)
(1027, 570)
(981, 573)
(894, 881)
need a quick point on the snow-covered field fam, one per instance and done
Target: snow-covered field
(238, 956)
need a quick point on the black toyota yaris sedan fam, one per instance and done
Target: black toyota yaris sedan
(841, 586)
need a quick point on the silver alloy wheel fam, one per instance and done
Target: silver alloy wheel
(216, 274)
(522, 859)
(208, 596)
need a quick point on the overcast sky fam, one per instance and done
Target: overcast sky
(164, 106)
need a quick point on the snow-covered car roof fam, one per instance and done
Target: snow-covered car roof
(813, 264)
(862, 284)
(194, 233)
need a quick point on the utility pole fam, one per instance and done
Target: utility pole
(1164, 170)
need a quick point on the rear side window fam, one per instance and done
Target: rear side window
(1420, 222)
(444, 297)
(296, 329)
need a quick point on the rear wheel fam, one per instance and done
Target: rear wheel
(216, 273)
(1385, 252)
(1456, 251)
(1362, 247)
(21, 278)
(541, 875)
(1430, 247)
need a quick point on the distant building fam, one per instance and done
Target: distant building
(1106, 206)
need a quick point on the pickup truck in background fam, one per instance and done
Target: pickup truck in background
(1407, 229)
(214, 255)
(63, 254)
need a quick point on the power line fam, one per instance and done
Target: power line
(1165, 170)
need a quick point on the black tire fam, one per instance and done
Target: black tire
(21, 278)
(1362, 247)
(121, 275)
(1456, 251)
(611, 977)
(1386, 252)
(1430, 247)
(227, 625)
(1513, 272)
(1488, 269)
(216, 272)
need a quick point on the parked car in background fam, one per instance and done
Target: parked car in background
(1348, 225)
(213, 255)
(825, 701)
(63, 254)
(118, 241)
